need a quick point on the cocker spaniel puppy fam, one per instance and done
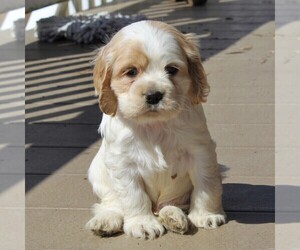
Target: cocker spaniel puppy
(157, 158)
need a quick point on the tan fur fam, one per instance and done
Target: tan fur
(102, 76)
(131, 56)
(114, 69)
(199, 89)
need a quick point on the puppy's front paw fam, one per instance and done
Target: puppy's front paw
(143, 227)
(105, 224)
(173, 219)
(208, 221)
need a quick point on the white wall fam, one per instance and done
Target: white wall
(7, 5)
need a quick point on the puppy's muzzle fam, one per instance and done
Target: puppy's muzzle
(154, 97)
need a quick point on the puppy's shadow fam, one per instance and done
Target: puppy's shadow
(192, 230)
(107, 236)
(223, 169)
(247, 203)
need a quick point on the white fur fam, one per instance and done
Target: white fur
(173, 219)
(144, 165)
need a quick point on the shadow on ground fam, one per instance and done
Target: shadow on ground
(12, 114)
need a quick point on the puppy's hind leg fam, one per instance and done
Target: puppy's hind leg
(173, 219)
(107, 219)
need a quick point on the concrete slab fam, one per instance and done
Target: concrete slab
(65, 230)
(78, 135)
(12, 134)
(239, 114)
(222, 68)
(90, 114)
(50, 135)
(59, 160)
(84, 66)
(243, 135)
(285, 134)
(61, 191)
(11, 50)
(237, 161)
(40, 86)
(288, 195)
(71, 97)
(241, 95)
(247, 161)
(287, 228)
(13, 233)
(287, 162)
(12, 160)
(64, 113)
(12, 188)
(65, 50)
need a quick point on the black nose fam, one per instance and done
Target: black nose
(154, 97)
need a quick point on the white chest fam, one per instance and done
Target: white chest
(166, 178)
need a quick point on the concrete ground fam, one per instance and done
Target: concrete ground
(12, 140)
(62, 116)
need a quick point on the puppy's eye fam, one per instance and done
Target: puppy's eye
(171, 70)
(132, 72)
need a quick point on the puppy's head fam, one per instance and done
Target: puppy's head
(148, 72)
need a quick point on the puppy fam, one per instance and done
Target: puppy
(157, 158)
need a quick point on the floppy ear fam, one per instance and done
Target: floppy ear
(199, 89)
(102, 77)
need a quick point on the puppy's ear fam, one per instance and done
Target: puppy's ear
(199, 89)
(102, 77)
